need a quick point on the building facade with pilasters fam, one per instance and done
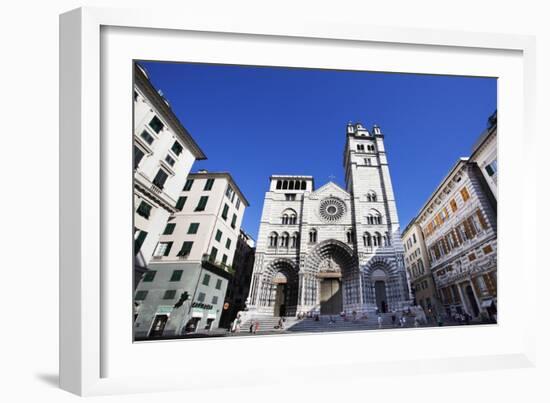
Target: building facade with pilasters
(331, 250)
(459, 227)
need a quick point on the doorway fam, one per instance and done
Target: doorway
(331, 296)
(280, 299)
(472, 300)
(158, 325)
(380, 295)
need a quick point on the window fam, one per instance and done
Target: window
(368, 161)
(229, 192)
(279, 185)
(202, 203)
(160, 178)
(238, 204)
(465, 194)
(139, 239)
(234, 221)
(177, 148)
(453, 205)
(193, 228)
(294, 240)
(181, 202)
(185, 249)
(284, 239)
(176, 275)
(225, 211)
(163, 249)
(491, 168)
(206, 279)
(141, 295)
(290, 196)
(228, 243)
(273, 239)
(349, 236)
(188, 185)
(218, 235)
(360, 147)
(209, 183)
(201, 297)
(472, 257)
(367, 239)
(313, 236)
(487, 249)
(156, 124)
(169, 160)
(218, 284)
(214, 300)
(414, 238)
(147, 137)
(169, 294)
(224, 259)
(149, 276)
(169, 229)
(213, 254)
(144, 209)
(138, 156)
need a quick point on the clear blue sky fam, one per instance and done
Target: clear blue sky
(257, 121)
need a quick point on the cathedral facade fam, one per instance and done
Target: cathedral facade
(331, 250)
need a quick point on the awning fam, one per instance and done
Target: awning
(196, 314)
(211, 315)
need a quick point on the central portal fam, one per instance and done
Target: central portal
(331, 296)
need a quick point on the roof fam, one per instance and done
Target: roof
(150, 92)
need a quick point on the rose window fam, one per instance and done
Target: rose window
(332, 209)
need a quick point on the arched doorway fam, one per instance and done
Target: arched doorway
(331, 279)
(472, 300)
(279, 289)
(384, 286)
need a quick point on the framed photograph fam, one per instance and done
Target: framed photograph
(231, 189)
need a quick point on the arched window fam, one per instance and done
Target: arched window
(284, 239)
(294, 240)
(367, 239)
(285, 185)
(303, 185)
(377, 239)
(371, 196)
(292, 219)
(388, 240)
(349, 236)
(313, 236)
(284, 219)
(279, 184)
(273, 239)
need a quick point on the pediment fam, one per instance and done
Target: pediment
(330, 189)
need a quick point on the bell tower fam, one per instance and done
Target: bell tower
(377, 235)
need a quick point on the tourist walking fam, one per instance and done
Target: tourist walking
(256, 326)
(379, 322)
(393, 318)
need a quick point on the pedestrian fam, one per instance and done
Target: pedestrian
(393, 318)
(403, 320)
(256, 326)
(281, 324)
(251, 329)
(238, 324)
(377, 310)
(379, 322)
(415, 322)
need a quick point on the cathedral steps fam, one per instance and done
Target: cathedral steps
(326, 323)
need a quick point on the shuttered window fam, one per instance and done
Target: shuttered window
(181, 202)
(202, 203)
(144, 209)
(176, 275)
(185, 249)
(481, 219)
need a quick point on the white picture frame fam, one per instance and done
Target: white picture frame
(97, 355)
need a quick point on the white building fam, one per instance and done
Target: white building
(192, 257)
(419, 275)
(459, 227)
(484, 154)
(329, 250)
(163, 155)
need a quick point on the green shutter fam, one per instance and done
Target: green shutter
(169, 229)
(149, 275)
(225, 210)
(181, 202)
(176, 275)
